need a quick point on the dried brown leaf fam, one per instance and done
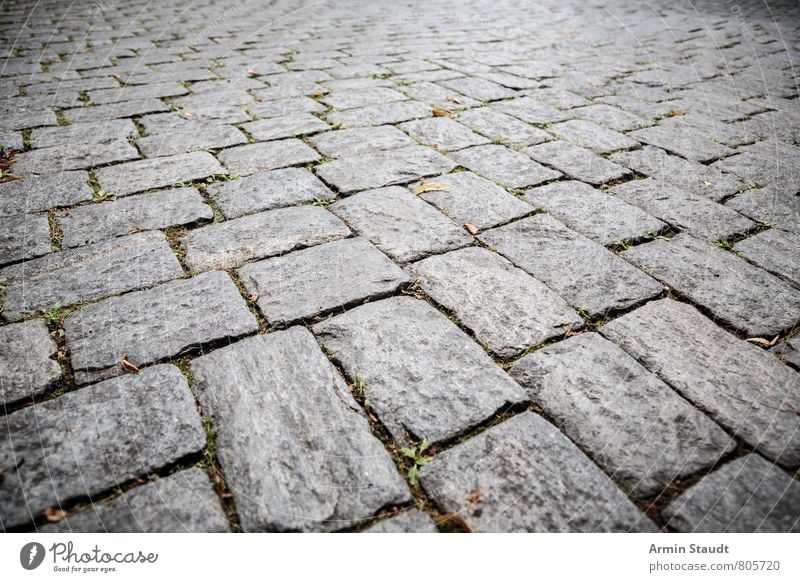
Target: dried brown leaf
(759, 341)
(185, 114)
(127, 365)
(475, 497)
(319, 93)
(438, 112)
(470, 228)
(54, 514)
(253, 297)
(453, 99)
(431, 187)
(456, 519)
(675, 113)
(252, 73)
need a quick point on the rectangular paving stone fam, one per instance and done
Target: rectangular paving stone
(504, 166)
(686, 142)
(257, 236)
(744, 388)
(611, 117)
(506, 309)
(601, 217)
(600, 140)
(789, 352)
(776, 205)
(502, 128)
(400, 224)
(379, 114)
(195, 120)
(346, 143)
(95, 222)
(202, 137)
(438, 96)
(133, 93)
(576, 162)
(317, 280)
(71, 447)
(473, 200)
(93, 132)
(747, 495)
(385, 168)
(113, 110)
(23, 236)
(124, 179)
(152, 325)
(412, 521)
(585, 382)
(37, 193)
(684, 210)
(295, 448)
(27, 361)
(348, 99)
(480, 89)
(268, 190)
(84, 274)
(691, 176)
(531, 110)
(421, 373)
(183, 502)
(586, 274)
(530, 478)
(775, 250)
(291, 125)
(248, 159)
(729, 287)
(279, 107)
(442, 133)
(74, 156)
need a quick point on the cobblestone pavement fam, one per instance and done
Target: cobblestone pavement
(400, 266)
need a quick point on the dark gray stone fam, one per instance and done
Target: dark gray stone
(419, 370)
(93, 132)
(27, 361)
(776, 205)
(291, 125)
(248, 159)
(113, 110)
(690, 143)
(202, 137)
(43, 192)
(774, 250)
(142, 175)
(131, 93)
(528, 477)
(442, 133)
(789, 352)
(729, 287)
(152, 325)
(747, 495)
(412, 521)
(346, 143)
(74, 156)
(23, 236)
(576, 162)
(746, 389)
(296, 450)
(71, 447)
(504, 166)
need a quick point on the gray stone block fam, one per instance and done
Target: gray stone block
(577, 162)
(442, 133)
(531, 110)
(142, 175)
(294, 124)
(502, 128)
(504, 166)
(27, 361)
(43, 192)
(23, 236)
(380, 114)
(412, 521)
(775, 250)
(198, 137)
(346, 143)
(248, 159)
(586, 134)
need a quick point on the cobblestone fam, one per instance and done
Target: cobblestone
(27, 361)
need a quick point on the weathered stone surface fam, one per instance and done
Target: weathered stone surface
(184, 502)
(583, 272)
(268, 190)
(502, 128)
(149, 326)
(789, 352)
(89, 273)
(684, 141)
(71, 447)
(360, 98)
(296, 451)
(729, 287)
(27, 361)
(442, 133)
(202, 137)
(11, 141)
(92, 132)
(23, 236)
(400, 224)
(317, 280)
(506, 309)
(420, 370)
(141, 175)
(774, 250)
(601, 217)
(480, 89)
(379, 114)
(291, 125)
(279, 107)
(746, 389)
(157, 90)
(693, 177)
(74, 156)
(113, 110)
(586, 134)
(530, 478)
(193, 122)
(684, 210)
(632, 423)
(43, 192)
(531, 110)
(504, 166)
(776, 205)
(384, 168)
(96, 222)
(413, 521)
(234, 242)
(747, 495)
(611, 117)
(346, 143)
(438, 96)
(247, 159)
(577, 162)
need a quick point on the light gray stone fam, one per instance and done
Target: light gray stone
(438, 96)
(23, 236)
(504, 166)
(528, 477)
(74, 156)
(730, 288)
(774, 250)
(531, 110)
(583, 272)
(348, 99)
(419, 370)
(257, 236)
(87, 442)
(294, 124)
(632, 423)
(76, 133)
(296, 450)
(380, 114)
(400, 224)
(201, 137)
(776, 205)
(611, 117)
(131, 93)
(506, 309)
(747, 495)
(789, 352)
(97, 271)
(442, 133)
(268, 190)
(384, 168)
(113, 111)
(746, 389)
(96, 222)
(43, 192)
(251, 158)
(346, 143)
(150, 326)
(27, 361)
(142, 175)
(577, 162)
(317, 280)
(502, 128)
(279, 107)
(600, 140)
(690, 143)
(183, 502)
(412, 521)
(480, 89)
